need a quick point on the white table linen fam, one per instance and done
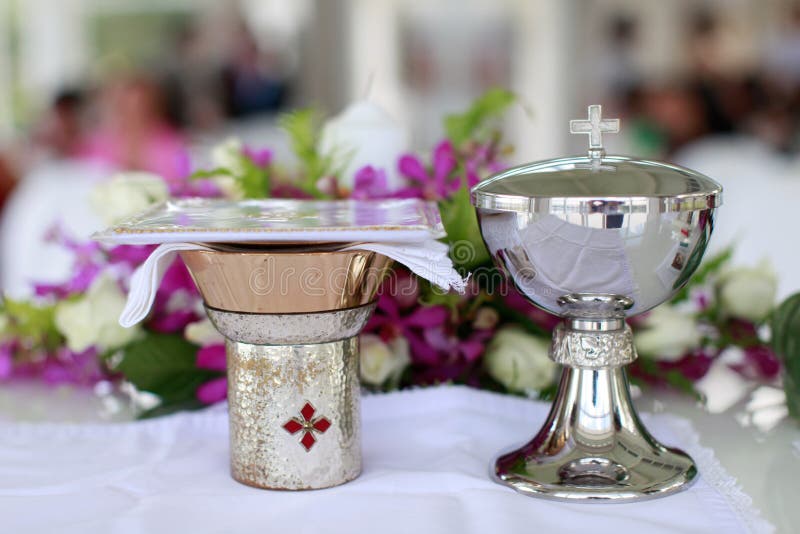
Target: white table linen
(426, 469)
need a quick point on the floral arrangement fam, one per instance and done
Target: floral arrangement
(491, 337)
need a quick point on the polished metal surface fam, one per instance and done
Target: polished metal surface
(594, 447)
(294, 414)
(273, 279)
(592, 349)
(291, 317)
(595, 240)
(288, 328)
(642, 257)
(301, 360)
(619, 185)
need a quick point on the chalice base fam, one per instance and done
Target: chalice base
(593, 447)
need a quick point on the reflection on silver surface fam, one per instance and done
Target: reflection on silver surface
(645, 257)
(595, 240)
(593, 447)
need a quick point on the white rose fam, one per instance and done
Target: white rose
(485, 318)
(127, 194)
(203, 333)
(93, 319)
(381, 361)
(519, 360)
(229, 187)
(748, 292)
(228, 155)
(668, 334)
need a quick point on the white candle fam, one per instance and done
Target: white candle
(364, 134)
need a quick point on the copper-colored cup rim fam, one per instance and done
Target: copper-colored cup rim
(254, 282)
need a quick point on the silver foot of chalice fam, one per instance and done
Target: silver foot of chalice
(595, 240)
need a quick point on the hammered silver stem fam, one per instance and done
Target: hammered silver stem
(293, 396)
(276, 395)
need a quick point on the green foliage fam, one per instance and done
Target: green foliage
(253, 181)
(510, 315)
(211, 173)
(164, 364)
(303, 126)
(463, 234)
(473, 123)
(786, 344)
(33, 322)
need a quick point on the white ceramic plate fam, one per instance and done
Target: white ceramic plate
(279, 221)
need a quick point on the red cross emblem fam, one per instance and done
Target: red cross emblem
(307, 424)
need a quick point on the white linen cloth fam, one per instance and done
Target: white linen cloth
(427, 259)
(426, 469)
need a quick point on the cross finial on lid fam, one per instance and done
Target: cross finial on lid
(595, 127)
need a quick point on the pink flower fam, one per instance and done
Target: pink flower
(370, 182)
(6, 360)
(436, 184)
(130, 255)
(284, 190)
(182, 185)
(693, 366)
(213, 391)
(64, 367)
(514, 300)
(88, 262)
(390, 321)
(760, 363)
(443, 345)
(454, 348)
(176, 300)
(260, 157)
(212, 358)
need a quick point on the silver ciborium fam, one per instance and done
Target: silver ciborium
(594, 240)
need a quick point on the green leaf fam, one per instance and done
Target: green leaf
(463, 235)
(164, 364)
(472, 123)
(303, 126)
(254, 181)
(210, 173)
(508, 314)
(785, 326)
(32, 321)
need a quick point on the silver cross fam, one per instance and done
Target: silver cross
(595, 127)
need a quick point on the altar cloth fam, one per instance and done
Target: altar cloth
(427, 454)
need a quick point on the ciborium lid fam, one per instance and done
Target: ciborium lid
(597, 183)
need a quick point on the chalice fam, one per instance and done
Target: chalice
(596, 239)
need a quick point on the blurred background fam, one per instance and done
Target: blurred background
(88, 86)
